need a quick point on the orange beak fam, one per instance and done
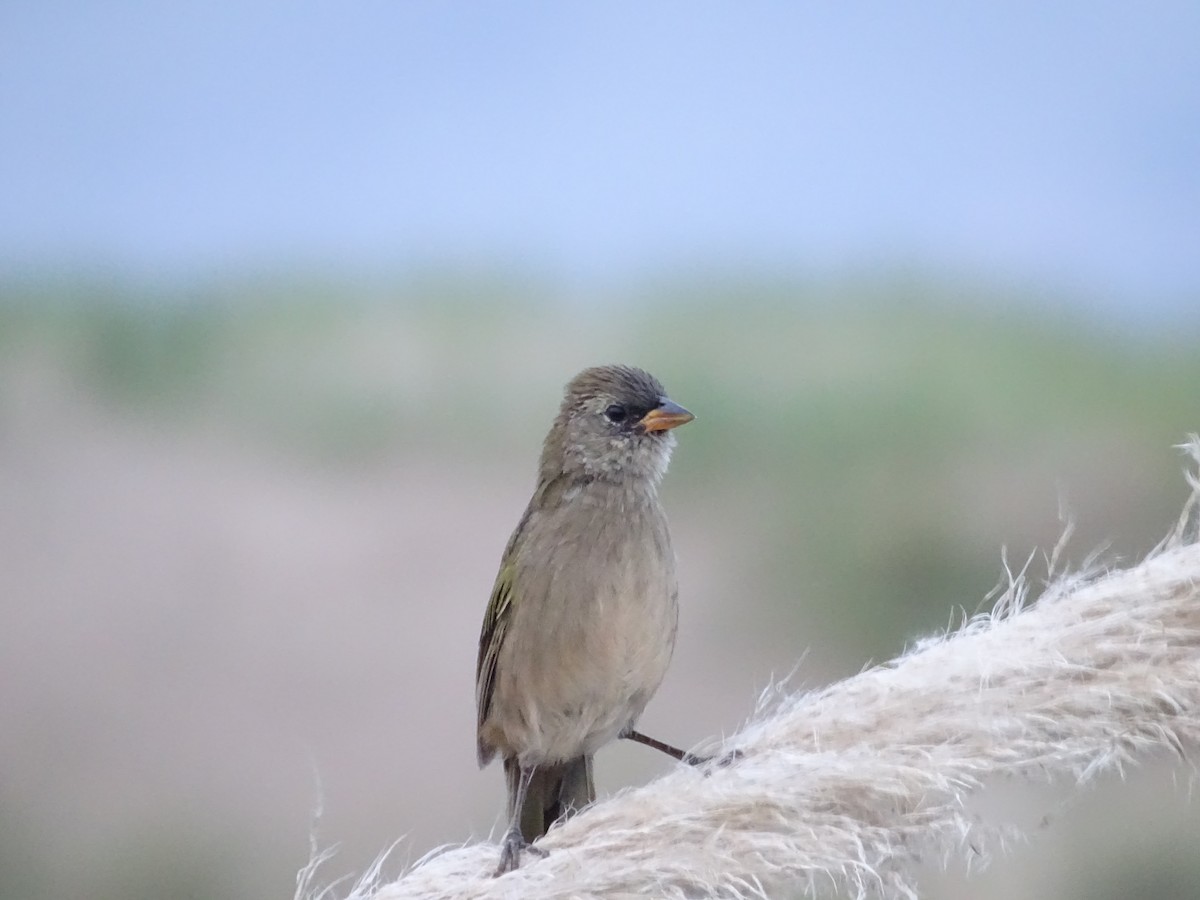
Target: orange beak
(666, 416)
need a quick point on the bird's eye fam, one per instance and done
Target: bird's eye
(616, 413)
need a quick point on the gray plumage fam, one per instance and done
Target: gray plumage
(582, 619)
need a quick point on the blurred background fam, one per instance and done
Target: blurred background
(288, 293)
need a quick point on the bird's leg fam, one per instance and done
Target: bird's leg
(514, 842)
(684, 757)
(675, 752)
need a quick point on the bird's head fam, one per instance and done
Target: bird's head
(615, 424)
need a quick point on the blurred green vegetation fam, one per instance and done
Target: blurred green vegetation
(855, 401)
(865, 419)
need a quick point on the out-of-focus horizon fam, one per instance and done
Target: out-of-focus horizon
(287, 298)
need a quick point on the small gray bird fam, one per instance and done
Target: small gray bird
(581, 622)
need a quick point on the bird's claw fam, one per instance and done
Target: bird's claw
(728, 759)
(721, 762)
(510, 852)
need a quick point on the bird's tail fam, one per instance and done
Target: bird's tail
(555, 792)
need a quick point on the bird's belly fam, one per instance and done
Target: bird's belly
(590, 671)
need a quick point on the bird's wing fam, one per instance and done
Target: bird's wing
(491, 637)
(495, 625)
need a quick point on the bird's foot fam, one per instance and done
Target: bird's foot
(721, 762)
(510, 851)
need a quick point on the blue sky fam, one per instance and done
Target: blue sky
(1053, 142)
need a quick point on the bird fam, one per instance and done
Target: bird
(581, 622)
